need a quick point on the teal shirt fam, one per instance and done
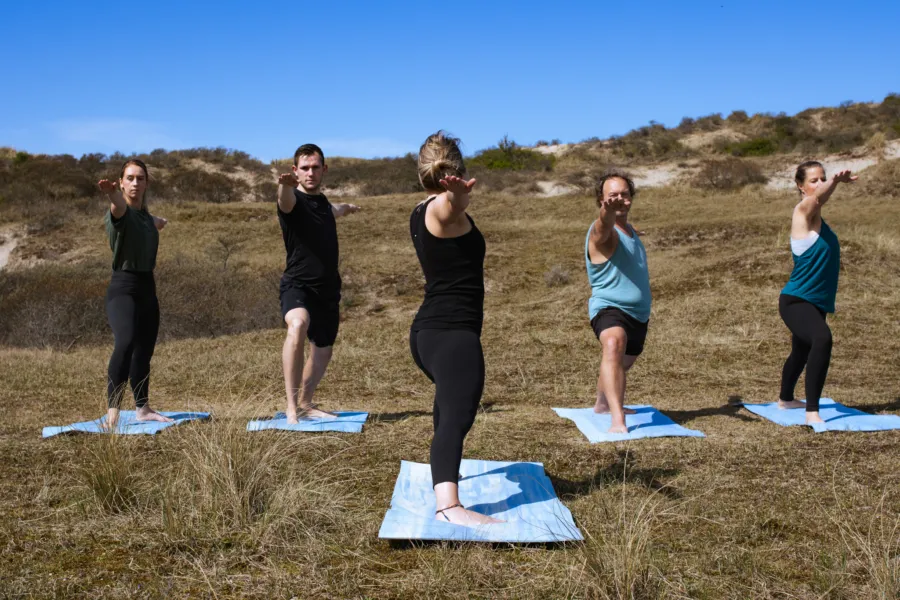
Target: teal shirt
(133, 240)
(621, 282)
(815, 274)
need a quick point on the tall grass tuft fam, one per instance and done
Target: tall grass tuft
(111, 471)
(874, 547)
(261, 488)
(615, 561)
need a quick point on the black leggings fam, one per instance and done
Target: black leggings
(454, 361)
(133, 312)
(810, 347)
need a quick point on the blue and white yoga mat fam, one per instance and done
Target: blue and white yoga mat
(837, 417)
(518, 493)
(127, 424)
(645, 423)
(346, 422)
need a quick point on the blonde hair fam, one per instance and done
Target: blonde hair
(439, 157)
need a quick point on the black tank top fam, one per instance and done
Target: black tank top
(454, 276)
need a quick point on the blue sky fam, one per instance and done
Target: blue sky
(374, 79)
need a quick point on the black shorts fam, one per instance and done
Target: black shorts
(635, 331)
(324, 313)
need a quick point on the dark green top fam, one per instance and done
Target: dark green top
(133, 239)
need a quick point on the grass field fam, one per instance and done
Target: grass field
(751, 511)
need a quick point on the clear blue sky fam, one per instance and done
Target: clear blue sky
(375, 78)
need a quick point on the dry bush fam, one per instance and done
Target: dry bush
(375, 177)
(557, 276)
(727, 174)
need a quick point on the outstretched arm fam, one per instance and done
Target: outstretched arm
(117, 204)
(811, 205)
(343, 209)
(159, 222)
(287, 183)
(456, 194)
(602, 230)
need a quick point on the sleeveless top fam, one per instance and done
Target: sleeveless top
(454, 276)
(621, 282)
(814, 277)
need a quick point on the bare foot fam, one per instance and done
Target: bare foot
(145, 413)
(310, 412)
(783, 405)
(603, 409)
(460, 516)
(813, 417)
(618, 429)
(112, 420)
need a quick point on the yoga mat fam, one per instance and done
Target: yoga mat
(516, 492)
(837, 417)
(645, 423)
(127, 424)
(346, 422)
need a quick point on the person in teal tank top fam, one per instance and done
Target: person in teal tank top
(810, 293)
(132, 307)
(619, 306)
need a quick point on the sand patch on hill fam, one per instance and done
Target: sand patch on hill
(9, 239)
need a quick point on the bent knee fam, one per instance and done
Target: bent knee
(296, 331)
(614, 346)
(823, 339)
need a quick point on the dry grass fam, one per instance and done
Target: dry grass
(208, 510)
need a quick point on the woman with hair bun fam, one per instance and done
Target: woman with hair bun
(445, 337)
(131, 304)
(812, 288)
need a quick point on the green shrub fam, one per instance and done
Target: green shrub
(509, 156)
(754, 147)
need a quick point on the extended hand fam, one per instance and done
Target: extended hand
(845, 176)
(349, 209)
(457, 185)
(613, 204)
(107, 186)
(160, 222)
(288, 179)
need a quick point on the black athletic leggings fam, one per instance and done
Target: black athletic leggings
(810, 348)
(454, 361)
(133, 312)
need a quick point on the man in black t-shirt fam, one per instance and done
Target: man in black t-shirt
(311, 285)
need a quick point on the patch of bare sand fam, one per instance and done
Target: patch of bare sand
(9, 239)
(705, 139)
(550, 189)
(555, 149)
(658, 176)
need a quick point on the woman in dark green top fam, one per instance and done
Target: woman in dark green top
(131, 304)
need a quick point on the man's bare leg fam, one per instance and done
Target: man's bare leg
(297, 321)
(612, 375)
(447, 495)
(313, 372)
(602, 405)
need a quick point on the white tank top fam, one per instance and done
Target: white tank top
(798, 247)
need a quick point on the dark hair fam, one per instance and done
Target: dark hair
(143, 166)
(308, 150)
(598, 186)
(800, 175)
